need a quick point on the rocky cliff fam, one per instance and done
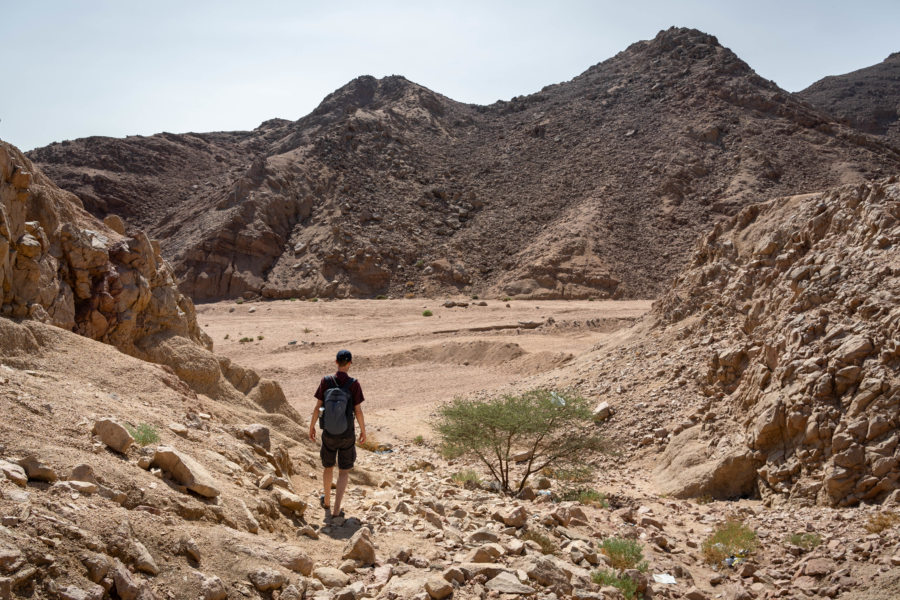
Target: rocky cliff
(61, 266)
(595, 187)
(794, 303)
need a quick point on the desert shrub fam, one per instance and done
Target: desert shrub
(624, 553)
(554, 428)
(807, 541)
(506, 298)
(474, 296)
(548, 546)
(420, 263)
(381, 297)
(427, 313)
(586, 496)
(259, 337)
(293, 299)
(409, 295)
(573, 474)
(239, 301)
(144, 434)
(881, 521)
(313, 299)
(625, 584)
(226, 336)
(418, 440)
(732, 538)
(466, 476)
(307, 330)
(245, 339)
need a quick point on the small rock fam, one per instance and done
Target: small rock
(331, 577)
(290, 501)
(266, 579)
(185, 471)
(213, 588)
(37, 470)
(507, 583)
(259, 435)
(178, 429)
(360, 548)
(14, 473)
(438, 588)
(113, 434)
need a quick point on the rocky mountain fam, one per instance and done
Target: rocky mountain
(867, 99)
(595, 187)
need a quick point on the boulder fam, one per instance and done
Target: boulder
(213, 588)
(185, 470)
(514, 517)
(113, 434)
(295, 560)
(602, 412)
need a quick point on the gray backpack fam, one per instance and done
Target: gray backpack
(337, 416)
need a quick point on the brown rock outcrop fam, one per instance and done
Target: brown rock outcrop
(797, 302)
(59, 265)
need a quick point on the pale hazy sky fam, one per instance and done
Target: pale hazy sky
(122, 67)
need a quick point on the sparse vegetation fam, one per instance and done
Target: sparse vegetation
(624, 553)
(732, 538)
(573, 474)
(226, 336)
(881, 521)
(245, 339)
(625, 584)
(418, 440)
(427, 313)
(554, 428)
(144, 434)
(474, 296)
(807, 541)
(548, 546)
(409, 295)
(587, 497)
(381, 297)
(313, 299)
(466, 476)
(420, 263)
(506, 298)
(307, 330)
(293, 299)
(259, 337)
(239, 301)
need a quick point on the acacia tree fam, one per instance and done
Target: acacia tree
(551, 429)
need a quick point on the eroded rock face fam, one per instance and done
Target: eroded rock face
(60, 265)
(797, 301)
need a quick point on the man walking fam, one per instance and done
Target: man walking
(338, 400)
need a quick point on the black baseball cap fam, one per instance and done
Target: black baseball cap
(344, 356)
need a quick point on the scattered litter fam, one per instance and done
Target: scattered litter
(663, 578)
(292, 343)
(544, 492)
(557, 400)
(385, 451)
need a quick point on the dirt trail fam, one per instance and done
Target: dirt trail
(407, 362)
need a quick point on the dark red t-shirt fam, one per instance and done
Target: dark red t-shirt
(326, 383)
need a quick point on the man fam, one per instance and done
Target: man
(338, 448)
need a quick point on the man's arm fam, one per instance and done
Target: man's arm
(312, 420)
(362, 422)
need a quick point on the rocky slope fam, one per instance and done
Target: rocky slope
(793, 302)
(594, 187)
(867, 99)
(222, 506)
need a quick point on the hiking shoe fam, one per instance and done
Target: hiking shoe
(322, 502)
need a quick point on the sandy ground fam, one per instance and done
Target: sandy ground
(406, 362)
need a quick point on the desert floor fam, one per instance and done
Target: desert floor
(408, 363)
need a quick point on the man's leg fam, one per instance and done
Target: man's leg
(326, 484)
(343, 477)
